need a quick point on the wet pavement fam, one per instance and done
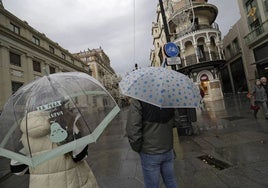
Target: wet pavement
(229, 149)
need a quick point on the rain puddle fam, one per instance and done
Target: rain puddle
(216, 163)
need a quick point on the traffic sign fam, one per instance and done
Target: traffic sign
(171, 49)
(173, 61)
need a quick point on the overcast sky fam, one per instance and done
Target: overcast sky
(121, 27)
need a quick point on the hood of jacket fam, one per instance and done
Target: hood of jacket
(36, 124)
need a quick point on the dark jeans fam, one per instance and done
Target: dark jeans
(155, 165)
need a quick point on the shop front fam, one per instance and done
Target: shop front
(210, 85)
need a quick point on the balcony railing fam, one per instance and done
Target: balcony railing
(257, 34)
(196, 28)
(191, 59)
(189, 7)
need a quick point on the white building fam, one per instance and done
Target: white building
(192, 27)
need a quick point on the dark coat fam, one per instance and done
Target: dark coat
(150, 128)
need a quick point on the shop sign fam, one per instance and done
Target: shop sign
(204, 77)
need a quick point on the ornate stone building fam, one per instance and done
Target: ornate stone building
(159, 39)
(26, 54)
(99, 65)
(192, 27)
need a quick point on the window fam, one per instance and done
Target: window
(236, 47)
(15, 86)
(200, 52)
(52, 70)
(63, 56)
(266, 4)
(250, 4)
(51, 49)
(105, 102)
(229, 51)
(15, 28)
(195, 23)
(94, 100)
(252, 14)
(14, 59)
(36, 40)
(36, 66)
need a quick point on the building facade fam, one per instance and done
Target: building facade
(100, 68)
(246, 46)
(238, 72)
(255, 16)
(192, 27)
(27, 54)
(159, 39)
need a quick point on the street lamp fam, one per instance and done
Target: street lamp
(164, 20)
(166, 30)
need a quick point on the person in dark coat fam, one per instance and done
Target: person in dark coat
(260, 98)
(265, 86)
(150, 133)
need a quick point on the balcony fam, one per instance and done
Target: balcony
(191, 59)
(257, 34)
(196, 29)
(209, 10)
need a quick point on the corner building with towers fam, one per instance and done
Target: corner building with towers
(192, 27)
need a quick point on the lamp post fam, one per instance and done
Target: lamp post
(166, 30)
(185, 114)
(164, 20)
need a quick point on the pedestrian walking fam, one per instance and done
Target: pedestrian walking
(264, 84)
(202, 94)
(67, 171)
(150, 133)
(260, 98)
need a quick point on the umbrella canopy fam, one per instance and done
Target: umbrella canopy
(64, 110)
(161, 87)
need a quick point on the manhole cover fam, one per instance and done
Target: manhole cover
(232, 118)
(216, 163)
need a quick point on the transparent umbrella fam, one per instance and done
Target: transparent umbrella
(161, 87)
(63, 110)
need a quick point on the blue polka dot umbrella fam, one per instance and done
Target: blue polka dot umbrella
(161, 87)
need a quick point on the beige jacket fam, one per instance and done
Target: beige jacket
(60, 172)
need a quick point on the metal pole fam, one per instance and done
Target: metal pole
(164, 20)
(173, 67)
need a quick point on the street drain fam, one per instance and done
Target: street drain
(216, 163)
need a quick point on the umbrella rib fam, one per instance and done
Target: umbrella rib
(26, 107)
(27, 135)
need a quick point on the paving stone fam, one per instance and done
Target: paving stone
(235, 179)
(240, 142)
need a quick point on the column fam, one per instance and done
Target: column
(183, 56)
(209, 50)
(208, 44)
(219, 48)
(196, 53)
(28, 73)
(5, 78)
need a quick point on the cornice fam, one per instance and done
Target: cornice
(25, 42)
